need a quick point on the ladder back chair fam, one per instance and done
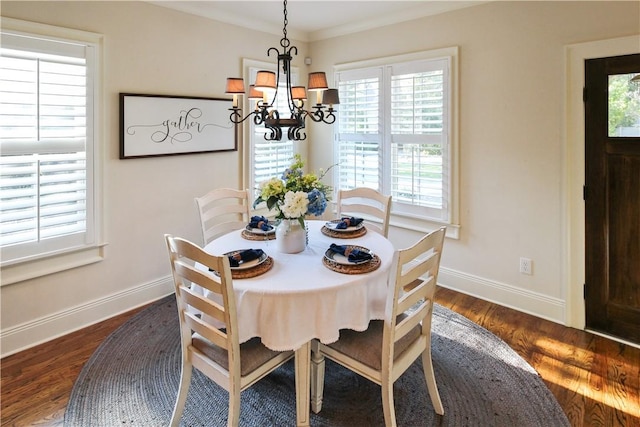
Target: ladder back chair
(215, 352)
(389, 347)
(368, 203)
(222, 210)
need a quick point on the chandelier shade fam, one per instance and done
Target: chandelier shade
(254, 97)
(254, 94)
(265, 94)
(330, 97)
(266, 80)
(235, 87)
(318, 81)
(299, 92)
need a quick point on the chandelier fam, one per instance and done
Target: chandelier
(266, 88)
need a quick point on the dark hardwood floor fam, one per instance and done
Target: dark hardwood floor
(596, 380)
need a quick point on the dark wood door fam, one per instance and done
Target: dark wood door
(612, 196)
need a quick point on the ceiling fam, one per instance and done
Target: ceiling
(310, 20)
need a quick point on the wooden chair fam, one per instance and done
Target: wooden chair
(368, 204)
(222, 210)
(388, 347)
(213, 351)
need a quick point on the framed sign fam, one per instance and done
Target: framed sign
(162, 125)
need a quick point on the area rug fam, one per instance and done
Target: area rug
(132, 380)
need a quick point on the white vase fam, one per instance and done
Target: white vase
(291, 237)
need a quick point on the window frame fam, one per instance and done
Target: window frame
(409, 220)
(90, 249)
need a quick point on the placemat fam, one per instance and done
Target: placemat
(366, 267)
(246, 234)
(253, 272)
(343, 234)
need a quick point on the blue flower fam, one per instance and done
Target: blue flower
(291, 173)
(317, 202)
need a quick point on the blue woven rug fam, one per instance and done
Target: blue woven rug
(132, 380)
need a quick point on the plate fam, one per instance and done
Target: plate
(252, 230)
(249, 264)
(331, 225)
(343, 260)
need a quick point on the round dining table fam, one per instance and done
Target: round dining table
(300, 298)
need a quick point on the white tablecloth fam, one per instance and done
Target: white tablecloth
(299, 298)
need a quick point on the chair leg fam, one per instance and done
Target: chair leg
(317, 377)
(183, 391)
(430, 377)
(233, 417)
(303, 381)
(387, 403)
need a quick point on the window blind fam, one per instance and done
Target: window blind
(393, 134)
(359, 134)
(417, 123)
(44, 96)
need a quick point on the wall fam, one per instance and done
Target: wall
(512, 164)
(513, 202)
(148, 49)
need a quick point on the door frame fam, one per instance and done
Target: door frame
(573, 221)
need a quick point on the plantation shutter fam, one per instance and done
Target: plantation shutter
(359, 138)
(45, 99)
(418, 121)
(392, 134)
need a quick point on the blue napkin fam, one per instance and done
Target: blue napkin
(260, 222)
(348, 222)
(245, 255)
(352, 254)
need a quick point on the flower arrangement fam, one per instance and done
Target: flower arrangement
(295, 194)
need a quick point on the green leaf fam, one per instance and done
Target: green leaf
(257, 202)
(272, 202)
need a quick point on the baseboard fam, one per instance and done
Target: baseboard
(533, 303)
(38, 331)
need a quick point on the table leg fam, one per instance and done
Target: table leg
(303, 374)
(317, 377)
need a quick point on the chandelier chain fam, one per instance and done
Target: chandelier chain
(285, 41)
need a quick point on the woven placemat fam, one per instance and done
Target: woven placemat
(366, 267)
(253, 272)
(246, 234)
(343, 234)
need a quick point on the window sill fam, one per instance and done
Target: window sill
(423, 225)
(21, 271)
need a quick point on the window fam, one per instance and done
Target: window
(47, 140)
(268, 158)
(394, 132)
(624, 105)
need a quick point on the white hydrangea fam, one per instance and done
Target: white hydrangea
(295, 204)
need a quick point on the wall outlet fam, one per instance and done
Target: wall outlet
(526, 266)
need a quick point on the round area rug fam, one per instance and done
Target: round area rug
(132, 380)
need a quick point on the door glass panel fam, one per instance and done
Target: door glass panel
(624, 105)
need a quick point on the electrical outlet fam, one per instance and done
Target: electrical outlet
(526, 266)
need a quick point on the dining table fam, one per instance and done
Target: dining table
(297, 297)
